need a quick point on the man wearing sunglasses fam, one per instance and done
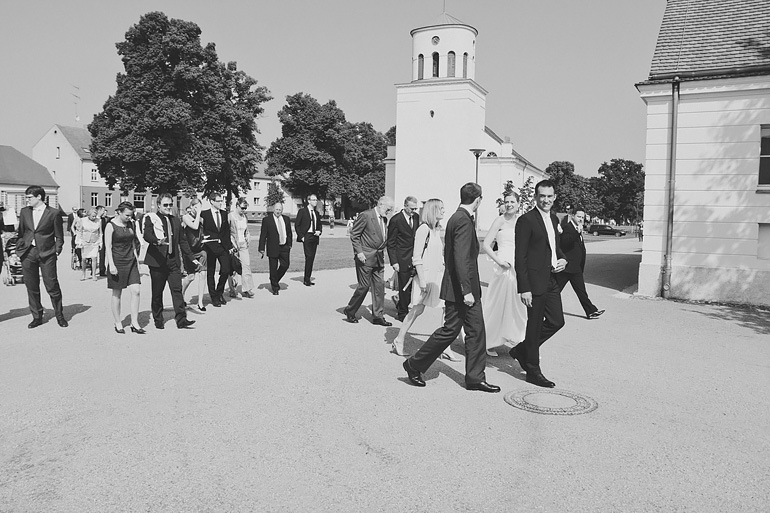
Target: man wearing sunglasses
(216, 242)
(163, 230)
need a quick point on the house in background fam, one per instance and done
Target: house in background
(707, 187)
(440, 118)
(17, 172)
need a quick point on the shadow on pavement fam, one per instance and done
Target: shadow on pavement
(753, 319)
(613, 271)
(13, 314)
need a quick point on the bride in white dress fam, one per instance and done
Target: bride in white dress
(505, 317)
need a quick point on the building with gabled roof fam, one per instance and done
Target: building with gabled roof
(707, 186)
(17, 172)
(440, 118)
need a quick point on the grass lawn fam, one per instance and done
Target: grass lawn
(332, 253)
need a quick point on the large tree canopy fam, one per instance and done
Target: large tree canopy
(180, 119)
(620, 188)
(572, 190)
(320, 152)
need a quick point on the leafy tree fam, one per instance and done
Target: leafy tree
(320, 152)
(620, 187)
(390, 135)
(527, 195)
(179, 118)
(274, 193)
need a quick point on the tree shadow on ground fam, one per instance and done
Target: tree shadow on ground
(745, 316)
(617, 272)
(13, 314)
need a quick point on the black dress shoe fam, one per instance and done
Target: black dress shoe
(138, 331)
(159, 325)
(215, 303)
(515, 353)
(202, 308)
(122, 331)
(540, 380)
(275, 292)
(35, 323)
(483, 386)
(351, 319)
(62, 322)
(308, 283)
(594, 315)
(184, 324)
(414, 376)
(381, 322)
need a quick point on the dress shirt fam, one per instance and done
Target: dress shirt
(312, 220)
(217, 220)
(37, 213)
(551, 234)
(281, 229)
(408, 218)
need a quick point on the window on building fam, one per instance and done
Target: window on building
(435, 64)
(258, 185)
(764, 157)
(256, 201)
(94, 199)
(108, 200)
(465, 65)
(763, 242)
(94, 175)
(58, 152)
(139, 201)
(450, 64)
(420, 67)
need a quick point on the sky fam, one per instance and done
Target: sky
(560, 73)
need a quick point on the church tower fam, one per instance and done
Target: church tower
(440, 115)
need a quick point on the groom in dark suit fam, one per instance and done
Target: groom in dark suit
(538, 259)
(575, 252)
(41, 239)
(461, 292)
(276, 236)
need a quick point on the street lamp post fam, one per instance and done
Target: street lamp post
(477, 153)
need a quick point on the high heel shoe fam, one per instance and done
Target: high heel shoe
(121, 330)
(395, 349)
(201, 308)
(138, 331)
(450, 356)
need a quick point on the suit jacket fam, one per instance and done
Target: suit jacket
(573, 247)
(303, 223)
(532, 260)
(367, 238)
(48, 236)
(268, 235)
(210, 231)
(157, 251)
(461, 258)
(401, 239)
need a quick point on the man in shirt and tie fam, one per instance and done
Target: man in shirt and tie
(401, 230)
(217, 244)
(308, 227)
(275, 235)
(369, 237)
(41, 239)
(164, 261)
(538, 259)
(575, 252)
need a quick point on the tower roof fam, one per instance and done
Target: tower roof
(445, 19)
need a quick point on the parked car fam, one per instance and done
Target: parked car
(605, 229)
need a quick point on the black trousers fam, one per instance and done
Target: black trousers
(544, 318)
(456, 316)
(172, 275)
(216, 253)
(579, 286)
(32, 266)
(279, 265)
(310, 245)
(369, 279)
(404, 295)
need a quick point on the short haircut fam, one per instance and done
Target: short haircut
(579, 209)
(125, 205)
(311, 195)
(194, 201)
(385, 200)
(81, 212)
(279, 202)
(163, 196)
(430, 212)
(545, 183)
(100, 207)
(92, 210)
(242, 201)
(409, 199)
(469, 192)
(214, 196)
(511, 193)
(36, 190)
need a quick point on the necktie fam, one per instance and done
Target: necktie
(281, 230)
(312, 218)
(409, 218)
(170, 249)
(216, 219)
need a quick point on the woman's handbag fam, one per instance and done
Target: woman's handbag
(235, 264)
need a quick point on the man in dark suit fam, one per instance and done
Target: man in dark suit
(41, 239)
(401, 230)
(537, 260)
(164, 260)
(308, 228)
(461, 292)
(369, 238)
(217, 244)
(575, 252)
(275, 235)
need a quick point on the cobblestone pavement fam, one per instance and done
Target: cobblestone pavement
(276, 404)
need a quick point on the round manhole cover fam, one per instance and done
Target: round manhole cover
(551, 402)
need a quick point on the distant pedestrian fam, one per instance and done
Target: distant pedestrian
(121, 238)
(89, 240)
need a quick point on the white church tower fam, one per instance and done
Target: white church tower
(440, 116)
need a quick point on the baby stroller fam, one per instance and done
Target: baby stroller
(12, 262)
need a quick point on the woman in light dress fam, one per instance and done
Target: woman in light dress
(195, 266)
(505, 316)
(428, 261)
(239, 235)
(89, 240)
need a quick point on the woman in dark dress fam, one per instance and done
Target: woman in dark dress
(122, 254)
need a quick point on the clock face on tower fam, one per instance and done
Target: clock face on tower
(435, 40)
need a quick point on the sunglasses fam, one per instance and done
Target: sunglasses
(166, 204)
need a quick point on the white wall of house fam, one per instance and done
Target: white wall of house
(721, 235)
